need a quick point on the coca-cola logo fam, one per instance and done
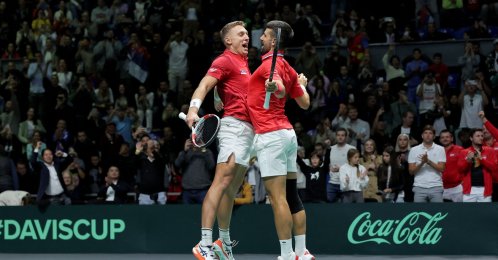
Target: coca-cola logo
(415, 228)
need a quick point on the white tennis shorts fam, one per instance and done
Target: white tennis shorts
(235, 136)
(277, 152)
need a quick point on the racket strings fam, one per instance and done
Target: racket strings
(206, 130)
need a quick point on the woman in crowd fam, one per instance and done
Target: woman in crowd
(390, 175)
(371, 161)
(402, 149)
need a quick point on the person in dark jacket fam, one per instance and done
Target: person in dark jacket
(316, 177)
(151, 173)
(115, 190)
(390, 175)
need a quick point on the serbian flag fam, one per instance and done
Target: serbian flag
(138, 64)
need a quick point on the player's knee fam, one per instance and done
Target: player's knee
(295, 203)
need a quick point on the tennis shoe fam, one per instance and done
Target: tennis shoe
(203, 252)
(307, 255)
(223, 250)
(291, 256)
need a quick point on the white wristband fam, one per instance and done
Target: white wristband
(303, 88)
(196, 103)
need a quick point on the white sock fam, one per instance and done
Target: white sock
(225, 236)
(285, 247)
(300, 244)
(206, 237)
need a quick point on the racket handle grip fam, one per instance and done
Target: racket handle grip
(266, 105)
(182, 116)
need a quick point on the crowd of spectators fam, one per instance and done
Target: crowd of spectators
(96, 86)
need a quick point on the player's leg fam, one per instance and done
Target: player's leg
(275, 186)
(223, 246)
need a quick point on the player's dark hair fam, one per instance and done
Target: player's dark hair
(286, 31)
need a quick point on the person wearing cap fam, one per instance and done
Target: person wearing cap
(472, 100)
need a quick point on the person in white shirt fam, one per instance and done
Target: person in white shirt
(472, 100)
(427, 91)
(354, 178)
(426, 162)
(338, 157)
(177, 71)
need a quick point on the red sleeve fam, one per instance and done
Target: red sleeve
(492, 129)
(218, 68)
(490, 161)
(294, 90)
(463, 165)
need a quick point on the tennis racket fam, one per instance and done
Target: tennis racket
(266, 105)
(204, 130)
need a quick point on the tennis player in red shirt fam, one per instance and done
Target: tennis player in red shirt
(275, 141)
(230, 73)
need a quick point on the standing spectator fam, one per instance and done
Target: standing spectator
(390, 175)
(402, 149)
(371, 161)
(106, 53)
(101, 16)
(469, 61)
(398, 110)
(359, 130)
(452, 176)
(8, 174)
(427, 162)
(415, 70)
(82, 99)
(354, 178)
(196, 166)
(472, 100)
(115, 189)
(428, 91)
(333, 62)
(151, 169)
(477, 163)
(308, 62)
(124, 120)
(145, 103)
(28, 180)
(338, 157)
(177, 70)
(52, 187)
(357, 48)
(395, 74)
(36, 72)
(407, 127)
(440, 71)
(28, 127)
(316, 176)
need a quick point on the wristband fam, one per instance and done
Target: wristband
(196, 103)
(303, 88)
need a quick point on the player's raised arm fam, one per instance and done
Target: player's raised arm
(207, 83)
(304, 100)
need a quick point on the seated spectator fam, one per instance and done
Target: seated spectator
(28, 180)
(115, 190)
(407, 127)
(244, 195)
(10, 53)
(8, 174)
(35, 138)
(354, 178)
(73, 188)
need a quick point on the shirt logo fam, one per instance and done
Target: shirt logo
(212, 69)
(243, 72)
(452, 154)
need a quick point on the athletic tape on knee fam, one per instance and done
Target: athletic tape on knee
(295, 203)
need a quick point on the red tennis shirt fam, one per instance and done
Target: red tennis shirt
(232, 72)
(274, 118)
